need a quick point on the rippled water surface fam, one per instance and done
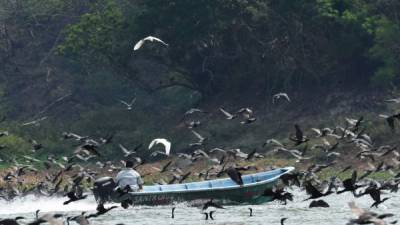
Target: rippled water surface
(297, 212)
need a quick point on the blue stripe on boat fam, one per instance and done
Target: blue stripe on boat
(225, 183)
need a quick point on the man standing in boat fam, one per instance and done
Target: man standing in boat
(128, 180)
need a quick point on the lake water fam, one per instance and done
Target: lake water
(297, 211)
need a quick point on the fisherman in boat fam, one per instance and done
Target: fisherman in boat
(128, 180)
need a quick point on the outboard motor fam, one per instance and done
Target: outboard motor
(103, 189)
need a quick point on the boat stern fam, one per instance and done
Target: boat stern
(103, 189)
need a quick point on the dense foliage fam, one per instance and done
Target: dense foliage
(271, 44)
(215, 45)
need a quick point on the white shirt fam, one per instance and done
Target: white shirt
(129, 177)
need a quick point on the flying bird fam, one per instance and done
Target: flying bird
(278, 193)
(101, 210)
(393, 100)
(35, 122)
(367, 217)
(162, 141)
(88, 148)
(129, 105)
(272, 141)
(277, 96)
(126, 152)
(299, 138)
(228, 115)
(200, 138)
(390, 119)
(194, 110)
(74, 197)
(139, 44)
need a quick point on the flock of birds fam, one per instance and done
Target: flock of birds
(70, 176)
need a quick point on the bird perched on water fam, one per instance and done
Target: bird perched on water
(173, 213)
(209, 215)
(128, 105)
(210, 204)
(251, 211)
(163, 141)
(11, 221)
(48, 218)
(318, 203)
(140, 43)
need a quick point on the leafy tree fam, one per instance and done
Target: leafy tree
(217, 45)
(98, 36)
